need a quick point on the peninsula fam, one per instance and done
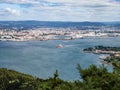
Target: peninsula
(114, 53)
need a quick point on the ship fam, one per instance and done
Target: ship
(59, 46)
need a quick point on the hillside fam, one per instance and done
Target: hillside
(24, 25)
(93, 78)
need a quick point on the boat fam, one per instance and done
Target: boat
(59, 46)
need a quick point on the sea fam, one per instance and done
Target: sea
(42, 58)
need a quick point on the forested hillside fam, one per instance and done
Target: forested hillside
(93, 78)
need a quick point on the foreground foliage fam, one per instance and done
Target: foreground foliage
(93, 78)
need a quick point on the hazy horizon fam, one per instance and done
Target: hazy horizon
(61, 21)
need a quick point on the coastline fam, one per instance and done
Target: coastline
(112, 52)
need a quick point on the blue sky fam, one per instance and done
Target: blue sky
(60, 10)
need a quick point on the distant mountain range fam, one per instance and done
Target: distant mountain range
(25, 25)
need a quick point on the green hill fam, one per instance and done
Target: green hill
(93, 78)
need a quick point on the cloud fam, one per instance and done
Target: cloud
(20, 2)
(84, 3)
(9, 12)
(12, 11)
(65, 10)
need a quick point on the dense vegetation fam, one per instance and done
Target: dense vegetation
(93, 78)
(104, 48)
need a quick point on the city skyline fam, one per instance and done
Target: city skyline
(60, 10)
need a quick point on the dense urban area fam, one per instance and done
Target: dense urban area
(43, 30)
(54, 34)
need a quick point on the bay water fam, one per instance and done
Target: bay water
(42, 58)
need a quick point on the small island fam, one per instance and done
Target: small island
(113, 52)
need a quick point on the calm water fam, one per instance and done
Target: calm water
(42, 58)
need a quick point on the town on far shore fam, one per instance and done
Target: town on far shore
(53, 34)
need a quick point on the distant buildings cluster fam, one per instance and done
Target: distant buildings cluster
(53, 34)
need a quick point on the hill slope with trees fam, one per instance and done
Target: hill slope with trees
(93, 78)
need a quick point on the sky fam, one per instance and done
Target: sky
(60, 10)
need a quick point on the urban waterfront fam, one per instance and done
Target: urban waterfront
(42, 58)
